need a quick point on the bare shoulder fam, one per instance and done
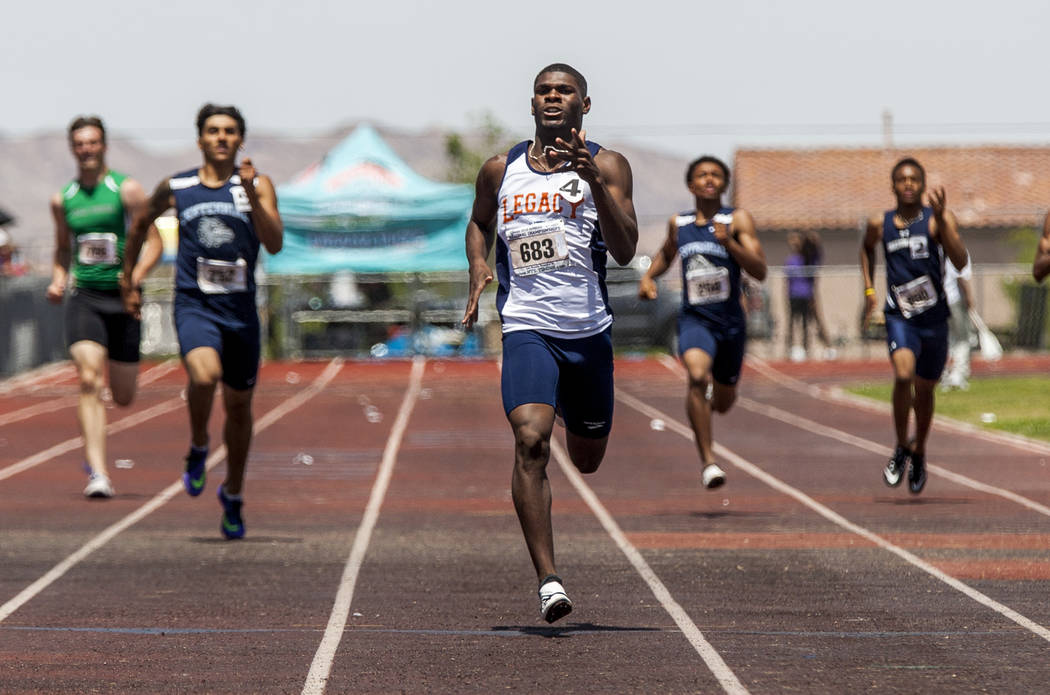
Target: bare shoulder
(491, 173)
(612, 159)
(56, 201)
(743, 221)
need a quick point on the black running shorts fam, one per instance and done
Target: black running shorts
(99, 316)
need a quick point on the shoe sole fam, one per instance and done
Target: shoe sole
(718, 481)
(558, 610)
(892, 484)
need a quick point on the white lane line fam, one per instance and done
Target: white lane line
(55, 370)
(148, 377)
(77, 442)
(321, 667)
(836, 394)
(718, 667)
(841, 521)
(161, 497)
(721, 671)
(831, 433)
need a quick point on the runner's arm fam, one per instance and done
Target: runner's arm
(613, 193)
(63, 252)
(745, 247)
(481, 233)
(872, 235)
(133, 197)
(946, 228)
(1041, 265)
(662, 260)
(263, 198)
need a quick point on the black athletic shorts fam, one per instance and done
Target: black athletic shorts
(99, 316)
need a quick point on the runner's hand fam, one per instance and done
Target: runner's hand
(938, 201)
(55, 292)
(480, 277)
(575, 152)
(869, 308)
(647, 288)
(131, 295)
(247, 173)
(721, 233)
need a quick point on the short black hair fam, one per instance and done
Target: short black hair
(907, 161)
(701, 160)
(209, 110)
(85, 122)
(581, 81)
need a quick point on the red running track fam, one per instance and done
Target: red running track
(383, 554)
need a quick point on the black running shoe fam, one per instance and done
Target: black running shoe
(893, 473)
(917, 474)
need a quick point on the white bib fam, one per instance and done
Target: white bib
(706, 285)
(538, 248)
(222, 277)
(916, 296)
(97, 249)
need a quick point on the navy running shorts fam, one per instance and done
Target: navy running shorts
(236, 339)
(928, 343)
(99, 316)
(724, 345)
(574, 375)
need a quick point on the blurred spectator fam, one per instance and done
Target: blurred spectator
(960, 299)
(9, 256)
(800, 272)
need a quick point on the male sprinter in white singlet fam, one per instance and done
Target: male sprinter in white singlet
(554, 206)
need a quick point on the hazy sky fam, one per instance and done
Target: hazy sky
(690, 77)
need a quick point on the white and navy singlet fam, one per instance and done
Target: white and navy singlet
(550, 255)
(710, 275)
(218, 247)
(914, 270)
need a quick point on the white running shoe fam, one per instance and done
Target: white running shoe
(98, 486)
(554, 603)
(713, 476)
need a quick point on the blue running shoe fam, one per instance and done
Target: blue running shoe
(917, 474)
(232, 523)
(193, 478)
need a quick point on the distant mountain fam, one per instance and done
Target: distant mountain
(33, 168)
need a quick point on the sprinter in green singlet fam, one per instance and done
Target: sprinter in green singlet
(91, 216)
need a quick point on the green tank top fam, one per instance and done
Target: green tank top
(97, 222)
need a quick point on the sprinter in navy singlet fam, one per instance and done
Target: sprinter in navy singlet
(224, 211)
(714, 243)
(554, 207)
(914, 240)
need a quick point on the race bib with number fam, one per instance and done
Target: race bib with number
(538, 248)
(97, 249)
(916, 296)
(222, 277)
(706, 285)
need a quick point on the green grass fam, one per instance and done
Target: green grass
(1021, 405)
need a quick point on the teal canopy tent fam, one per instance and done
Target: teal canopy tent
(362, 209)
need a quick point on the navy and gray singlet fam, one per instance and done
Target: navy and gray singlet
(914, 271)
(218, 247)
(710, 275)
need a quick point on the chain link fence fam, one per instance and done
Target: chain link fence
(396, 315)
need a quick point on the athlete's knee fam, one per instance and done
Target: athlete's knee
(91, 380)
(123, 397)
(586, 453)
(204, 377)
(722, 400)
(699, 381)
(531, 444)
(588, 461)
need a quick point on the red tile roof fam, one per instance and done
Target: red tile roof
(988, 186)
